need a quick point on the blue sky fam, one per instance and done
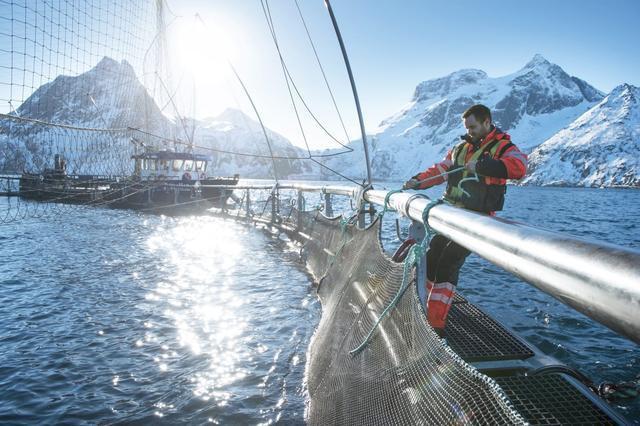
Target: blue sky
(393, 46)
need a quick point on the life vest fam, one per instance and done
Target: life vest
(483, 196)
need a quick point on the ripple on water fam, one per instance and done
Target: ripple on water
(112, 316)
(163, 319)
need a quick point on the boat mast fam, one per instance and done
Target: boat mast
(353, 88)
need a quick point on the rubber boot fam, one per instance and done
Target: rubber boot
(438, 305)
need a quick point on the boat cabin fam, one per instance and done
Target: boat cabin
(171, 165)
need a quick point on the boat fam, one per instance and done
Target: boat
(164, 182)
(170, 182)
(55, 185)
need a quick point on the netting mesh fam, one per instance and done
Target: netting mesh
(406, 374)
(81, 80)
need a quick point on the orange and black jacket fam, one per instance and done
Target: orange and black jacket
(498, 159)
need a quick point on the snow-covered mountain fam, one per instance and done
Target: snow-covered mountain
(576, 137)
(107, 96)
(235, 132)
(532, 104)
(111, 96)
(600, 148)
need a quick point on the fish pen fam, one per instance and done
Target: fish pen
(81, 130)
(375, 360)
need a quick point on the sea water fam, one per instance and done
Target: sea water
(112, 316)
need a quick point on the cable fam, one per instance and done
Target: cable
(336, 172)
(255, 109)
(267, 15)
(295, 87)
(324, 76)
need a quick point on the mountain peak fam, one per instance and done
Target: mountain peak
(536, 61)
(107, 62)
(234, 116)
(468, 72)
(624, 88)
(598, 149)
(442, 86)
(110, 65)
(624, 96)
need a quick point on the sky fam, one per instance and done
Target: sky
(394, 45)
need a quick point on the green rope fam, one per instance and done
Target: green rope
(344, 223)
(425, 218)
(386, 206)
(415, 254)
(474, 178)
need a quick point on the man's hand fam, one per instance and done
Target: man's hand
(410, 184)
(471, 166)
(492, 168)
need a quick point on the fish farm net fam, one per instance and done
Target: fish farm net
(80, 85)
(90, 93)
(405, 374)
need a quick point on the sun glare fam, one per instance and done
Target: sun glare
(199, 51)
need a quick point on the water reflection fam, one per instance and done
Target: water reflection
(116, 317)
(200, 294)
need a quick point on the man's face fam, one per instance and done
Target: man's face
(476, 129)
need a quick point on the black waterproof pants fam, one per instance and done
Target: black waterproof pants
(444, 260)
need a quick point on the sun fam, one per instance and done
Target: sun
(200, 55)
(199, 51)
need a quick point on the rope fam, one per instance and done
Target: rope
(448, 172)
(344, 223)
(336, 172)
(289, 78)
(416, 252)
(303, 203)
(62, 126)
(324, 76)
(386, 207)
(474, 178)
(267, 15)
(425, 218)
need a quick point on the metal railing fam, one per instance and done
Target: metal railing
(598, 279)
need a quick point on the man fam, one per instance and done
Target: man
(486, 158)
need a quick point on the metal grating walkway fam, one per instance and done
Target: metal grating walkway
(475, 336)
(551, 400)
(458, 298)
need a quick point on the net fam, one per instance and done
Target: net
(88, 95)
(80, 85)
(406, 374)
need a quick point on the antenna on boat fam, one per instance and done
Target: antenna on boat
(353, 88)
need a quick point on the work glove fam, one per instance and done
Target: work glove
(491, 167)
